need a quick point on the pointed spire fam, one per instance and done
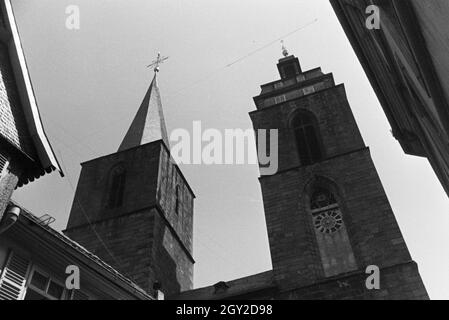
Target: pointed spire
(148, 124)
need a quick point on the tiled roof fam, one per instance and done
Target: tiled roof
(86, 253)
(230, 289)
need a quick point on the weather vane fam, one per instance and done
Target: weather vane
(284, 49)
(159, 60)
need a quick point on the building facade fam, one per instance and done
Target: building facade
(36, 262)
(327, 214)
(25, 152)
(405, 59)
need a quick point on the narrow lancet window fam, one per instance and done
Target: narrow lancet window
(307, 138)
(116, 187)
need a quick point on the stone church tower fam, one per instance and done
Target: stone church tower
(134, 208)
(327, 214)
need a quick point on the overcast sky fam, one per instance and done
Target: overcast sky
(90, 82)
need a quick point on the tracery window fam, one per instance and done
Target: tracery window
(325, 211)
(333, 242)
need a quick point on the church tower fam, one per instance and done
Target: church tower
(327, 214)
(134, 208)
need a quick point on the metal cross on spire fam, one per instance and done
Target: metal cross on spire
(159, 60)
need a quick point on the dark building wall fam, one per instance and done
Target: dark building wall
(124, 242)
(337, 127)
(142, 247)
(171, 178)
(369, 235)
(149, 240)
(399, 282)
(173, 266)
(374, 234)
(141, 167)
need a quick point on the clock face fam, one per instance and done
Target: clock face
(329, 221)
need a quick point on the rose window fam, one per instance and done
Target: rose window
(328, 221)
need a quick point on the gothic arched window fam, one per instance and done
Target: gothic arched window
(307, 138)
(116, 187)
(332, 238)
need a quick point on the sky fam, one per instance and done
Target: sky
(90, 82)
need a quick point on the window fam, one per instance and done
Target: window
(278, 85)
(279, 99)
(116, 187)
(300, 78)
(178, 199)
(325, 211)
(334, 246)
(308, 90)
(42, 287)
(307, 139)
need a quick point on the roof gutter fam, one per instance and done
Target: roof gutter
(9, 218)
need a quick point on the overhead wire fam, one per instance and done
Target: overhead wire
(212, 74)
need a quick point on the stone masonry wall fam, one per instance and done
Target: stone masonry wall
(400, 282)
(348, 171)
(149, 240)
